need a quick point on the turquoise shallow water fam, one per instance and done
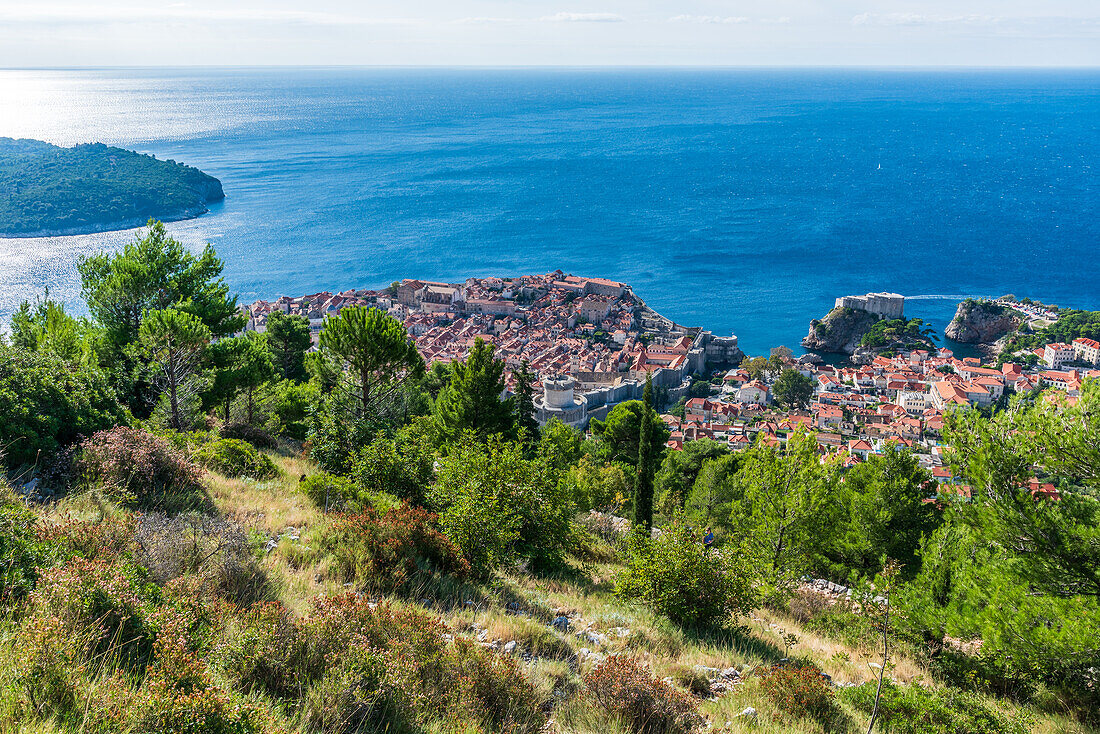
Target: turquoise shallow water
(744, 201)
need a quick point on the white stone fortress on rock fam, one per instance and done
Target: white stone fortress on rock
(886, 305)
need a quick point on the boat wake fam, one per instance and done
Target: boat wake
(937, 297)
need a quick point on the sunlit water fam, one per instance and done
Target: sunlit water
(742, 201)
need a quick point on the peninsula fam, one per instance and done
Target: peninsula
(590, 341)
(46, 190)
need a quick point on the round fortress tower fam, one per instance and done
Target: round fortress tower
(559, 400)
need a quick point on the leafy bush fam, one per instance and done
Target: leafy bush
(918, 710)
(391, 551)
(332, 440)
(186, 441)
(288, 404)
(624, 687)
(401, 466)
(140, 469)
(678, 577)
(236, 458)
(22, 551)
(496, 505)
(800, 690)
(258, 437)
(332, 492)
(46, 404)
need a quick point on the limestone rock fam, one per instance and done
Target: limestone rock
(981, 322)
(839, 332)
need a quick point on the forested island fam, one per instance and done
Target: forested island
(49, 190)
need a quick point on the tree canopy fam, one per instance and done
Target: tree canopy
(289, 339)
(472, 401)
(377, 355)
(93, 188)
(154, 272)
(618, 434)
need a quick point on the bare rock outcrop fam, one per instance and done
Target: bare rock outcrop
(839, 332)
(981, 322)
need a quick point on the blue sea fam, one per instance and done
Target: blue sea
(741, 200)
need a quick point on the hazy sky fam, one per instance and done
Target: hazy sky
(584, 32)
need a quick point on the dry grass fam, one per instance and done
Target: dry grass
(269, 507)
(587, 598)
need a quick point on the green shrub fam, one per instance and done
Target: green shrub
(332, 492)
(22, 551)
(917, 710)
(401, 466)
(186, 441)
(623, 687)
(800, 690)
(140, 470)
(496, 505)
(332, 441)
(391, 551)
(678, 577)
(46, 404)
(233, 457)
(258, 437)
(289, 404)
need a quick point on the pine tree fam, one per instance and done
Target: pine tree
(471, 401)
(288, 339)
(378, 355)
(525, 403)
(643, 487)
(174, 341)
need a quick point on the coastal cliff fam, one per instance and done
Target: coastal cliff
(840, 331)
(981, 322)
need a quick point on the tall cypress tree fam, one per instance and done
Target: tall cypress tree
(643, 486)
(525, 402)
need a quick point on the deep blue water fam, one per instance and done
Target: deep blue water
(743, 201)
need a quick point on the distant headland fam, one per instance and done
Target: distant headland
(46, 190)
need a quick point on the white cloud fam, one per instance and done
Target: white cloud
(709, 19)
(781, 20)
(179, 12)
(484, 20)
(914, 19)
(583, 18)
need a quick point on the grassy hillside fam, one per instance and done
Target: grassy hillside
(551, 662)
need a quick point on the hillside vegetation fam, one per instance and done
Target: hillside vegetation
(202, 532)
(92, 188)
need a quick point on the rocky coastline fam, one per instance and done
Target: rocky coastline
(119, 226)
(981, 322)
(839, 332)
